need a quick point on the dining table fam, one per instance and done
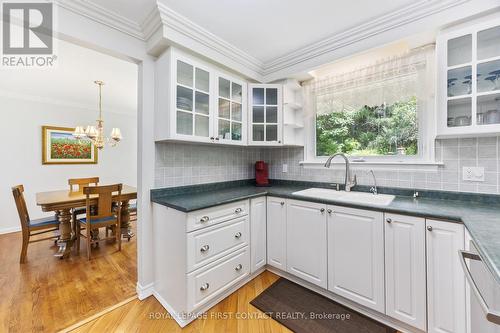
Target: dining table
(62, 202)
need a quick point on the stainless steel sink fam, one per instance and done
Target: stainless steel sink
(354, 197)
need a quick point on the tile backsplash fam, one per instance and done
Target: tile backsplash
(179, 164)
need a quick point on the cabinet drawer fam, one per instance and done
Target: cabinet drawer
(207, 283)
(213, 215)
(207, 244)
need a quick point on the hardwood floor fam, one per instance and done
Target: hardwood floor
(48, 294)
(149, 315)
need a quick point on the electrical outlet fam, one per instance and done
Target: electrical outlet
(285, 168)
(473, 174)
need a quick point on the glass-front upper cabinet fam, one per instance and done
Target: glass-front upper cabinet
(265, 119)
(230, 122)
(469, 80)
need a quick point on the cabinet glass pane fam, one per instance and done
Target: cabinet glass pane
(184, 123)
(488, 43)
(271, 96)
(202, 80)
(236, 111)
(224, 129)
(201, 102)
(258, 96)
(237, 93)
(488, 76)
(459, 112)
(236, 131)
(184, 98)
(258, 114)
(460, 50)
(201, 125)
(224, 108)
(184, 73)
(271, 114)
(459, 81)
(258, 132)
(488, 109)
(224, 88)
(271, 132)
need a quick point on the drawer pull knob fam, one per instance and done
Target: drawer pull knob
(429, 228)
(238, 268)
(388, 220)
(282, 203)
(204, 286)
(238, 210)
(322, 210)
(237, 235)
(204, 219)
(204, 248)
(329, 211)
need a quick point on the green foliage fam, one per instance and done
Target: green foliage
(371, 130)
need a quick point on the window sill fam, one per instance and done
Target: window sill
(407, 165)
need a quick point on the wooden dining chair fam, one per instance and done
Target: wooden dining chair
(32, 227)
(77, 185)
(106, 214)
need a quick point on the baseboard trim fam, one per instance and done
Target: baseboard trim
(97, 315)
(144, 292)
(10, 230)
(182, 319)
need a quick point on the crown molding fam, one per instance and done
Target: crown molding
(182, 25)
(102, 15)
(395, 19)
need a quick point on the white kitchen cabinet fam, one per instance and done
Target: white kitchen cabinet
(258, 233)
(265, 124)
(356, 255)
(468, 84)
(405, 286)
(276, 232)
(306, 247)
(445, 279)
(231, 111)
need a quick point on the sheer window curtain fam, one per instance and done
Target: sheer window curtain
(387, 81)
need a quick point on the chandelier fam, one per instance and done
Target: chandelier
(95, 134)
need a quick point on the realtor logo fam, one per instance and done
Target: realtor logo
(27, 34)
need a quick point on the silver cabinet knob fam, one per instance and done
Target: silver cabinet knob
(282, 203)
(204, 219)
(237, 235)
(388, 220)
(204, 248)
(204, 286)
(329, 211)
(238, 268)
(212, 138)
(322, 210)
(429, 228)
(238, 210)
(217, 138)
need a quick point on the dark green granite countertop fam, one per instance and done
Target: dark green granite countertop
(479, 213)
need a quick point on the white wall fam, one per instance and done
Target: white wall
(21, 161)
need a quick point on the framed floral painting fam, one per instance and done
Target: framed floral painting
(59, 146)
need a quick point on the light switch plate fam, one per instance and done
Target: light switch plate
(285, 168)
(473, 174)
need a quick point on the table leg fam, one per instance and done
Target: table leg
(65, 242)
(125, 220)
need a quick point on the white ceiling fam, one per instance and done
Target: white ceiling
(71, 82)
(267, 29)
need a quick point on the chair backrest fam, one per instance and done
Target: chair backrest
(82, 182)
(22, 210)
(105, 200)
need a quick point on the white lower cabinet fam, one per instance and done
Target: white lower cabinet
(306, 249)
(356, 255)
(445, 279)
(258, 233)
(405, 287)
(276, 232)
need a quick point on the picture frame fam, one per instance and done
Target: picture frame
(59, 146)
